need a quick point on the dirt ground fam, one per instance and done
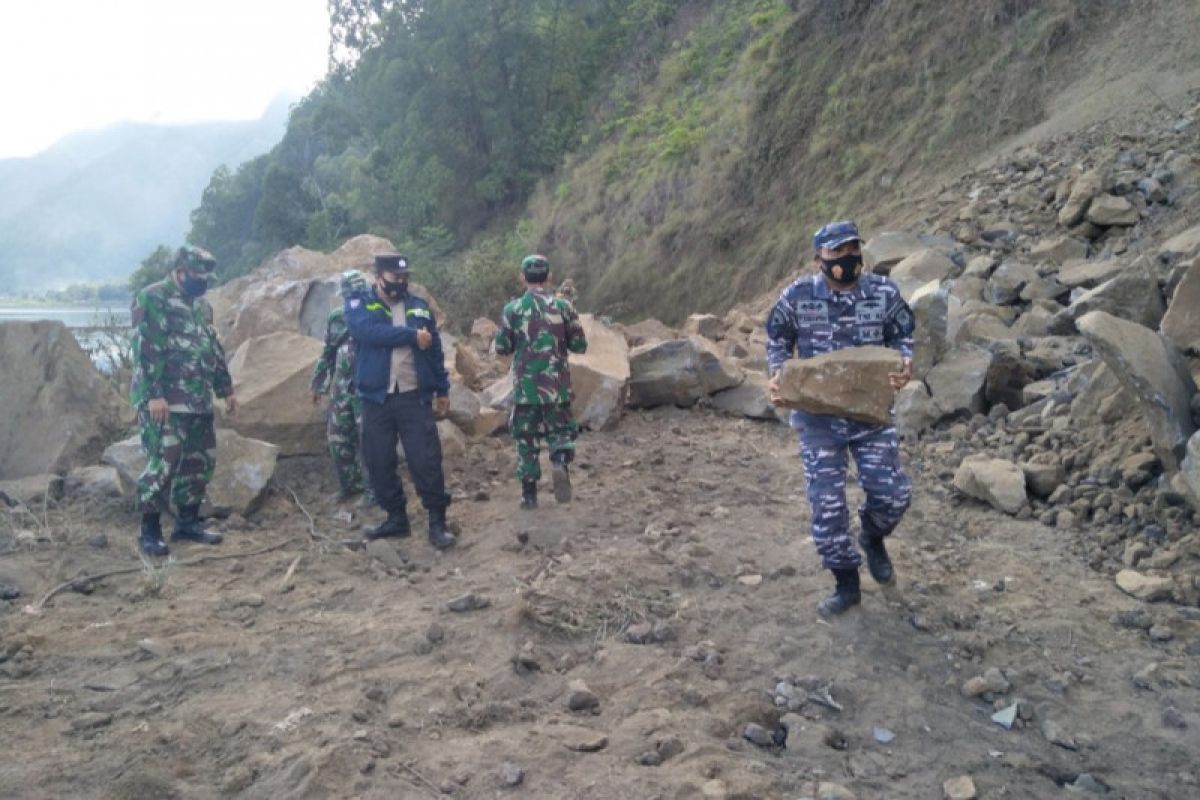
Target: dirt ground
(314, 670)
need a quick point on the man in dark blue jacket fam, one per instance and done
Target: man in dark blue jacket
(401, 377)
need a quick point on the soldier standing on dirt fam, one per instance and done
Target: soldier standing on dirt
(539, 329)
(178, 366)
(333, 374)
(401, 377)
(841, 307)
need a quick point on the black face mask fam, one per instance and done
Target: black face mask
(394, 290)
(843, 270)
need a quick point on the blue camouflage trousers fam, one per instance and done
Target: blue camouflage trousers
(824, 441)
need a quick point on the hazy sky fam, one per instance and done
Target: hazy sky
(76, 64)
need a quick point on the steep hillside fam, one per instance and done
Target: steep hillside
(707, 171)
(95, 204)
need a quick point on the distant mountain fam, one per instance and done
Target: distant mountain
(93, 205)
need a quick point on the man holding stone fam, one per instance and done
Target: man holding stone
(841, 307)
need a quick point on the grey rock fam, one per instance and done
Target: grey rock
(580, 697)
(468, 602)
(511, 775)
(758, 735)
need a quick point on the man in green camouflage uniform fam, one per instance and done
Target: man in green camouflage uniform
(333, 374)
(539, 330)
(178, 366)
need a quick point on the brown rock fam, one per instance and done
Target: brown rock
(960, 788)
(648, 331)
(1058, 250)
(1107, 209)
(993, 480)
(600, 377)
(56, 410)
(1085, 187)
(679, 372)
(706, 325)
(919, 268)
(271, 375)
(851, 382)
(1181, 325)
(1181, 246)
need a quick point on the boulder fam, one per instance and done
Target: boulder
(1151, 588)
(489, 421)
(454, 441)
(293, 292)
(888, 248)
(499, 394)
(982, 329)
(748, 399)
(1058, 250)
(706, 325)
(271, 375)
(915, 410)
(468, 366)
(648, 331)
(32, 491)
(1098, 394)
(1043, 479)
(679, 372)
(1089, 274)
(484, 330)
(1189, 470)
(1108, 209)
(852, 382)
(919, 268)
(1007, 281)
(1007, 376)
(1153, 372)
(244, 470)
(600, 377)
(1033, 323)
(464, 408)
(94, 482)
(1181, 324)
(56, 410)
(993, 480)
(1083, 189)
(958, 382)
(1132, 295)
(1181, 246)
(930, 307)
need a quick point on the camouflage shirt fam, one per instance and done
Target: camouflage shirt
(334, 370)
(810, 319)
(176, 354)
(539, 330)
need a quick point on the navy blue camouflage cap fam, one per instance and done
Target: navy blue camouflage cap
(391, 262)
(195, 259)
(835, 234)
(535, 267)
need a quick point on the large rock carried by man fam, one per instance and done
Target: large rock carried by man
(852, 382)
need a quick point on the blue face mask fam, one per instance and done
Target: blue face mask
(192, 285)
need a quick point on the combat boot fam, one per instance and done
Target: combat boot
(878, 563)
(529, 494)
(150, 540)
(439, 537)
(188, 527)
(562, 476)
(394, 527)
(845, 595)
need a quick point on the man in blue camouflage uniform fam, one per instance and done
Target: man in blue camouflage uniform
(333, 375)
(178, 365)
(836, 308)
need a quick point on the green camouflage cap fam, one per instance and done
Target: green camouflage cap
(195, 259)
(535, 268)
(353, 282)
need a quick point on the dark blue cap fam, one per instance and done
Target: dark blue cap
(836, 234)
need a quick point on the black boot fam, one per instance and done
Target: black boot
(151, 539)
(188, 527)
(844, 596)
(562, 475)
(394, 527)
(878, 563)
(439, 537)
(529, 494)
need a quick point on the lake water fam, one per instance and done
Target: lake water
(99, 329)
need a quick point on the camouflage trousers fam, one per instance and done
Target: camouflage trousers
(343, 421)
(181, 455)
(532, 423)
(823, 445)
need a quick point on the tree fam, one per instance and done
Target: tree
(154, 267)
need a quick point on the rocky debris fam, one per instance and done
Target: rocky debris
(600, 377)
(1058, 250)
(678, 372)
(1089, 274)
(1083, 190)
(91, 721)
(1149, 588)
(748, 399)
(957, 383)
(385, 553)
(959, 788)
(271, 374)
(1189, 470)
(244, 470)
(484, 330)
(468, 602)
(657, 632)
(1043, 478)
(648, 331)
(887, 248)
(1150, 368)
(58, 410)
(919, 268)
(32, 491)
(1006, 717)
(991, 681)
(758, 735)
(664, 750)
(1057, 735)
(1106, 210)
(707, 325)
(1132, 295)
(582, 740)
(993, 480)
(915, 409)
(580, 697)
(465, 408)
(1006, 284)
(852, 382)
(95, 482)
(1181, 323)
(931, 309)
(454, 441)
(511, 775)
